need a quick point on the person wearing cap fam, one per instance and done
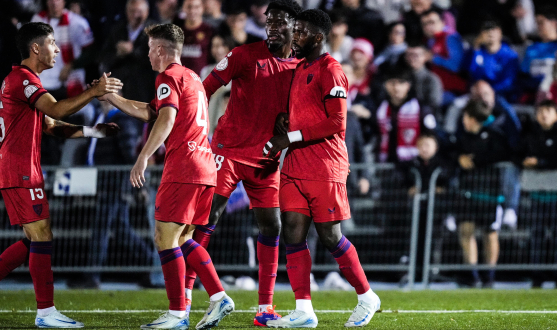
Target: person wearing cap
(361, 57)
(493, 60)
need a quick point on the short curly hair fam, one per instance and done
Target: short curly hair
(317, 18)
(290, 6)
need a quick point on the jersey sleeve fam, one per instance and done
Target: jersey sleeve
(31, 89)
(167, 93)
(231, 67)
(333, 82)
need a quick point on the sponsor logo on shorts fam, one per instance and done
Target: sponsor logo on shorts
(206, 262)
(38, 208)
(157, 208)
(220, 146)
(332, 210)
(26, 178)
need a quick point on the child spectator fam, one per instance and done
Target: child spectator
(539, 147)
(478, 195)
(493, 60)
(400, 118)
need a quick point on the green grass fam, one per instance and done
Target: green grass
(392, 301)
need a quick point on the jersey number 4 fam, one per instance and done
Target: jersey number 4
(202, 112)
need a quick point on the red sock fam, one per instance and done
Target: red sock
(298, 266)
(202, 236)
(174, 270)
(197, 258)
(13, 257)
(41, 273)
(267, 255)
(349, 264)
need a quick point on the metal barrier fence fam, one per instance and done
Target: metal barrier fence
(477, 196)
(100, 223)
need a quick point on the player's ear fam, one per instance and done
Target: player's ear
(35, 47)
(319, 37)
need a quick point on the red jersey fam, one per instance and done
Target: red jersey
(188, 158)
(317, 159)
(21, 129)
(260, 88)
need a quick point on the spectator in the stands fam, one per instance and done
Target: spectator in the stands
(196, 53)
(396, 45)
(412, 21)
(477, 148)
(339, 44)
(212, 13)
(125, 53)
(494, 61)
(473, 13)
(361, 57)
(363, 22)
(220, 47)
(548, 87)
(400, 118)
(448, 54)
(428, 86)
(235, 26)
(524, 14)
(166, 11)
(539, 152)
(539, 58)
(358, 119)
(74, 38)
(256, 23)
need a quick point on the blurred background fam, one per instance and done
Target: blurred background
(450, 132)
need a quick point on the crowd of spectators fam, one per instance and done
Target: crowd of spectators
(455, 71)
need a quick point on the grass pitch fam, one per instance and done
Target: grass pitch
(458, 309)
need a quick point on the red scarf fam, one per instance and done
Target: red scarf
(408, 129)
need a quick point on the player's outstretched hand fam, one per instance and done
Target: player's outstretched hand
(107, 85)
(275, 145)
(281, 123)
(137, 175)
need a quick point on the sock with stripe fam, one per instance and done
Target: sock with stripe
(298, 267)
(349, 264)
(202, 235)
(13, 257)
(197, 258)
(174, 271)
(267, 255)
(40, 261)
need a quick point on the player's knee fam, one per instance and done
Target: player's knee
(270, 228)
(329, 241)
(466, 230)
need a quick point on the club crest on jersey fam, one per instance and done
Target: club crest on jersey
(310, 78)
(338, 92)
(223, 64)
(38, 208)
(163, 91)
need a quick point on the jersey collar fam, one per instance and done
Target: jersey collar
(308, 64)
(24, 67)
(171, 64)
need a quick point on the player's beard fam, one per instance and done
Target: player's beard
(274, 47)
(305, 50)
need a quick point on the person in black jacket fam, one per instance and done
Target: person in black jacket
(539, 152)
(478, 193)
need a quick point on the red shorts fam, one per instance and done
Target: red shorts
(184, 203)
(322, 200)
(25, 205)
(261, 184)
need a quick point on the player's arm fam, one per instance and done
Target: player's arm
(48, 105)
(65, 130)
(335, 123)
(136, 109)
(161, 131)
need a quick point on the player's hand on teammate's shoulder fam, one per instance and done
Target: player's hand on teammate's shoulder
(275, 145)
(108, 129)
(281, 123)
(105, 84)
(137, 175)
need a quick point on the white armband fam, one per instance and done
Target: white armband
(93, 132)
(295, 136)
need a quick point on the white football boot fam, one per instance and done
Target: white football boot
(296, 319)
(56, 320)
(216, 312)
(169, 321)
(363, 313)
